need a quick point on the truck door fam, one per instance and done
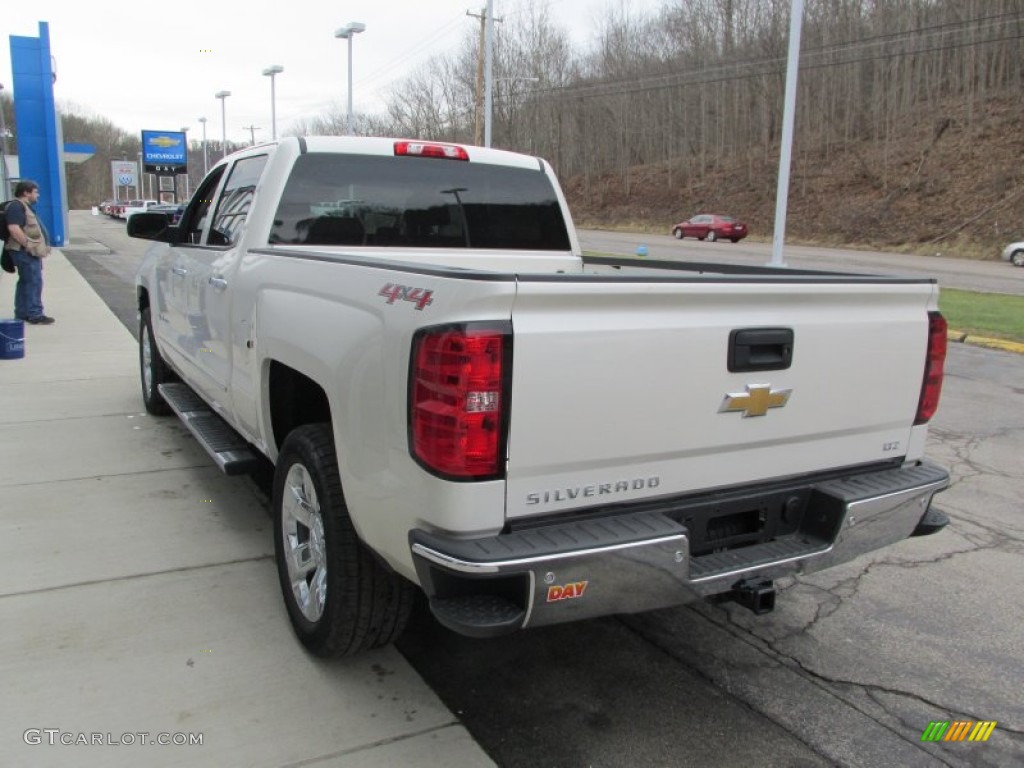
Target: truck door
(210, 270)
(172, 273)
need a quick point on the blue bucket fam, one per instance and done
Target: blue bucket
(12, 339)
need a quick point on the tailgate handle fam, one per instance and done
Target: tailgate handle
(760, 349)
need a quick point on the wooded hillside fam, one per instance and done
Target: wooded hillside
(908, 123)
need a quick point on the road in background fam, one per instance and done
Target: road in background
(985, 276)
(850, 668)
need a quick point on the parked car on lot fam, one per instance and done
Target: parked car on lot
(1014, 253)
(136, 206)
(711, 226)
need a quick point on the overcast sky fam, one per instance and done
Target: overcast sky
(157, 66)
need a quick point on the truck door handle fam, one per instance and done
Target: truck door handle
(179, 271)
(219, 283)
(760, 349)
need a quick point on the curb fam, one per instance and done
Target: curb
(983, 341)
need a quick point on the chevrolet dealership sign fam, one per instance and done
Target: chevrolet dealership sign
(164, 152)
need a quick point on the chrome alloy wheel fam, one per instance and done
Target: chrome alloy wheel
(147, 363)
(305, 552)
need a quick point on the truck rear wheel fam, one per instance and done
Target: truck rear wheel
(152, 368)
(339, 598)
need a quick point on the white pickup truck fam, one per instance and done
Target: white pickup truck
(132, 207)
(456, 400)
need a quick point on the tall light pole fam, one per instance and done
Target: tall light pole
(206, 155)
(185, 131)
(347, 32)
(271, 71)
(223, 96)
(796, 21)
(141, 180)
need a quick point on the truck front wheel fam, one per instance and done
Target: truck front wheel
(340, 599)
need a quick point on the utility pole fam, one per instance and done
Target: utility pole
(252, 132)
(478, 121)
(488, 73)
(478, 111)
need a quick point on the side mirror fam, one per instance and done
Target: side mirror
(151, 226)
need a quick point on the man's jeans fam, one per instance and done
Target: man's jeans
(28, 295)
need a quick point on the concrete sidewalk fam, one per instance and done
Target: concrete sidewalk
(139, 600)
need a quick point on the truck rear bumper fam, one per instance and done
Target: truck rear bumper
(641, 560)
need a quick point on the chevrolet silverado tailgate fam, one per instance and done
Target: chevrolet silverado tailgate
(622, 388)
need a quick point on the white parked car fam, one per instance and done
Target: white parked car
(1014, 253)
(136, 206)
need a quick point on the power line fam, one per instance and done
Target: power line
(441, 32)
(765, 66)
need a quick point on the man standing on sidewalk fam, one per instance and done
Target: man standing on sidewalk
(29, 247)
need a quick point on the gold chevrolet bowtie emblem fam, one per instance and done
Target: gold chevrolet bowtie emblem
(756, 400)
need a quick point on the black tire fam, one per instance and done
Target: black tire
(1017, 258)
(678, 233)
(348, 602)
(734, 239)
(157, 370)
(712, 235)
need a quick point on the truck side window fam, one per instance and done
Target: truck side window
(235, 200)
(193, 220)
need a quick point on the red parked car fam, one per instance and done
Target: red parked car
(711, 227)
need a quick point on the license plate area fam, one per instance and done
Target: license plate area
(732, 523)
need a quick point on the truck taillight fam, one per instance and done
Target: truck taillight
(458, 399)
(931, 387)
(430, 149)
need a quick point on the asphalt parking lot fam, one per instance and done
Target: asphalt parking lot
(849, 669)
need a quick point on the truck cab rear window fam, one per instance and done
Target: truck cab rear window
(407, 202)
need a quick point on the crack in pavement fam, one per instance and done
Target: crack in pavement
(720, 618)
(847, 588)
(963, 448)
(724, 620)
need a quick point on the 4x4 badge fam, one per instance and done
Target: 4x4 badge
(756, 400)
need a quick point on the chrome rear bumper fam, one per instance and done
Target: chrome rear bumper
(639, 561)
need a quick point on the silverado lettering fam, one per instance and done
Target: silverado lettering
(587, 491)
